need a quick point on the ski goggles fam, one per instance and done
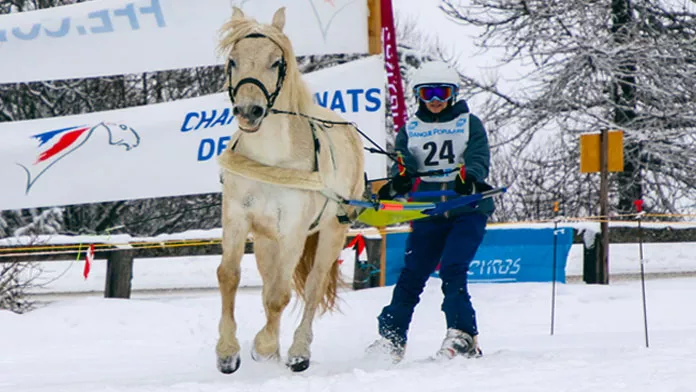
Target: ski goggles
(429, 93)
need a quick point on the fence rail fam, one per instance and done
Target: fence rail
(120, 256)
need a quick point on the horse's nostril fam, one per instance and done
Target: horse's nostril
(256, 112)
(251, 112)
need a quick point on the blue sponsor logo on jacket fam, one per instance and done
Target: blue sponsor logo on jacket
(435, 131)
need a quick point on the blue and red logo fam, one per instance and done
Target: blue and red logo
(59, 143)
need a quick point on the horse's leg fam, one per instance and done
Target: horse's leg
(329, 246)
(276, 260)
(228, 273)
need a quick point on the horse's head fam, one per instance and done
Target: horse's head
(260, 68)
(120, 135)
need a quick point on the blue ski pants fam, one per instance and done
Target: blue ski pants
(452, 242)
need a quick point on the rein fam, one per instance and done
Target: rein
(378, 150)
(329, 124)
(270, 101)
(271, 98)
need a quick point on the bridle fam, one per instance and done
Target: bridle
(270, 97)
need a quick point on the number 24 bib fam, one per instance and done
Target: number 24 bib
(439, 146)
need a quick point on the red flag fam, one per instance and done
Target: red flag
(88, 261)
(359, 244)
(639, 205)
(391, 63)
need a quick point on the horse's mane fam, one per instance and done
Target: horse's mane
(297, 93)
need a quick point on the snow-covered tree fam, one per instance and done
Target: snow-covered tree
(16, 278)
(620, 64)
(44, 221)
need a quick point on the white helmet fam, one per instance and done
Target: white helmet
(435, 72)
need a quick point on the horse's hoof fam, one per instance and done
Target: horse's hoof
(298, 364)
(229, 364)
(263, 358)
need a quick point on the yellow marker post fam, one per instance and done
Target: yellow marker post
(590, 152)
(603, 153)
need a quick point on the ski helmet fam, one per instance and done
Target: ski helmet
(435, 72)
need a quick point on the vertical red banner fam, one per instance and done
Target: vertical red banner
(397, 102)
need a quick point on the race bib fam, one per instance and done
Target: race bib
(439, 146)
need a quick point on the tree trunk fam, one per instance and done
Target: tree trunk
(624, 97)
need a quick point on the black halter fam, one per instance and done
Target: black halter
(270, 97)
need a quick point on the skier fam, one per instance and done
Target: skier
(443, 135)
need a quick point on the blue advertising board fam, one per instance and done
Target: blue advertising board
(505, 255)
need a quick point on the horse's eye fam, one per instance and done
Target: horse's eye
(231, 64)
(123, 127)
(275, 64)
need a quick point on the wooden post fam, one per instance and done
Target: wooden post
(119, 272)
(591, 253)
(374, 187)
(603, 260)
(374, 26)
(383, 257)
(594, 157)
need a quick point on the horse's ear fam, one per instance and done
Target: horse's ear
(237, 13)
(279, 18)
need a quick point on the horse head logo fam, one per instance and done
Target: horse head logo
(59, 143)
(120, 135)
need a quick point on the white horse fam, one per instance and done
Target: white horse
(284, 176)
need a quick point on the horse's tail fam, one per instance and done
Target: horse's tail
(304, 267)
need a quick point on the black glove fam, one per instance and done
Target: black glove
(398, 185)
(470, 186)
(465, 187)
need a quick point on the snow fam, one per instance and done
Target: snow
(163, 338)
(166, 343)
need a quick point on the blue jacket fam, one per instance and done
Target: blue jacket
(476, 156)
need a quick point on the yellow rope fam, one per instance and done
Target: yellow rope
(154, 244)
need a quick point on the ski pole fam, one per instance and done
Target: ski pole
(553, 266)
(639, 208)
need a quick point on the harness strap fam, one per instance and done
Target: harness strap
(318, 218)
(317, 145)
(270, 97)
(238, 164)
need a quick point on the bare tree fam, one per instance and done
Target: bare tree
(16, 278)
(620, 64)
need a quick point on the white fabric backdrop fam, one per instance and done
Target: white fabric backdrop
(109, 37)
(159, 150)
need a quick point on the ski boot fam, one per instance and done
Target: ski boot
(459, 343)
(385, 348)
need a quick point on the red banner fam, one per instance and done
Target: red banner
(397, 103)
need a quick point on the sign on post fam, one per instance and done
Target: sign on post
(590, 152)
(602, 152)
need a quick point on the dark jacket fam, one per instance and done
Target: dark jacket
(476, 156)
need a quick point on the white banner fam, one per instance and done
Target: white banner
(108, 37)
(166, 149)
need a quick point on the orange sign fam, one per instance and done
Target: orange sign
(590, 152)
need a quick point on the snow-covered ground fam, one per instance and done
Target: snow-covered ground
(164, 340)
(165, 343)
